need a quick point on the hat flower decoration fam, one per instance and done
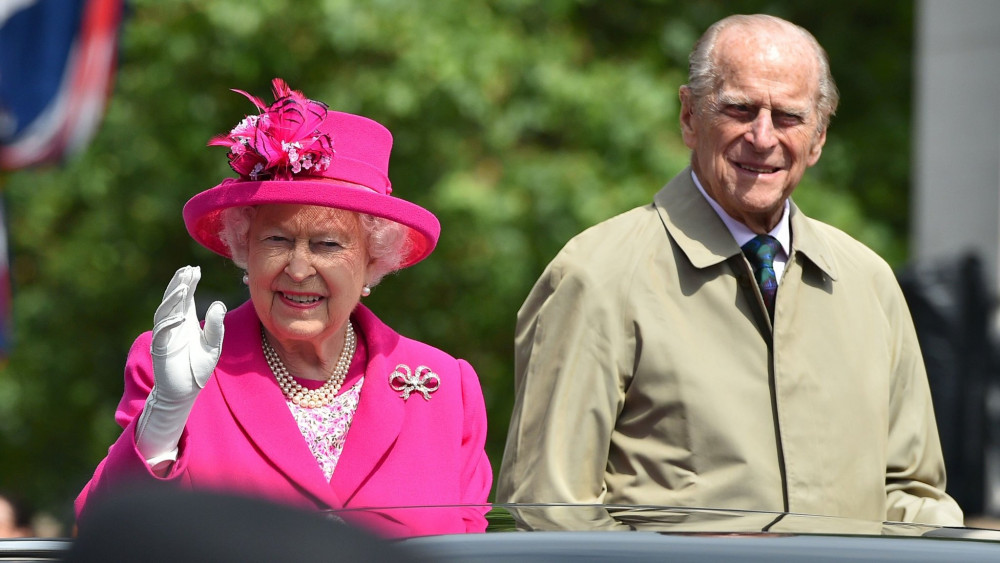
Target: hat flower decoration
(281, 141)
(297, 151)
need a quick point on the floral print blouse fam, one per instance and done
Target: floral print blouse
(325, 428)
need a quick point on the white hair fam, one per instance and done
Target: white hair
(703, 73)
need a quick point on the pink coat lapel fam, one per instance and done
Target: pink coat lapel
(379, 418)
(259, 407)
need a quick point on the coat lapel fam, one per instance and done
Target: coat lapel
(379, 419)
(258, 406)
(693, 224)
(811, 244)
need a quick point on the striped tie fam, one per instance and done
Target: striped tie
(760, 252)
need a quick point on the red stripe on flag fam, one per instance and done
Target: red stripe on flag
(73, 118)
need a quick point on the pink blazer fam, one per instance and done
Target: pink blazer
(242, 438)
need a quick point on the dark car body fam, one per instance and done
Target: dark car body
(546, 532)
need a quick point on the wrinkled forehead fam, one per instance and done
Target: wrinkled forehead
(306, 218)
(781, 61)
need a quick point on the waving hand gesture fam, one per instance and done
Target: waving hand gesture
(184, 356)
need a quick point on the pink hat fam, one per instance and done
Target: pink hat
(296, 151)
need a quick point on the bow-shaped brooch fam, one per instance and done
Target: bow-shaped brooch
(423, 380)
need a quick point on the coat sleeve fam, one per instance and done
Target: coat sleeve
(569, 348)
(915, 472)
(124, 465)
(477, 473)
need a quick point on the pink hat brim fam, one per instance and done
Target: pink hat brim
(202, 213)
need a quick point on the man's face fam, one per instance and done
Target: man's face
(754, 138)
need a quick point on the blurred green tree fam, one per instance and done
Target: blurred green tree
(518, 122)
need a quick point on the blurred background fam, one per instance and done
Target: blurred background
(518, 122)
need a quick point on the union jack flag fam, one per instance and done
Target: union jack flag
(57, 62)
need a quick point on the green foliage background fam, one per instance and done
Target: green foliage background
(518, 122)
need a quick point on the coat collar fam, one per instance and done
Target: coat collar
(258, 405)
(704, 238)
(807, 240)
(379, 418)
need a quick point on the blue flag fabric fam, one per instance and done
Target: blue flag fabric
(57, 61)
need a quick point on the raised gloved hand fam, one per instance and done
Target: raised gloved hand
(184, 357)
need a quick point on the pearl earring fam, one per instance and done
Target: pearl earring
(366, 291)
(246, 279)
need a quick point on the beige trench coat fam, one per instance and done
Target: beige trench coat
(647, 372)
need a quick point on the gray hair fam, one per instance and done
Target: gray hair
(703, 73)
(387, 241)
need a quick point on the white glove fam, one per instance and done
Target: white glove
(184, 357)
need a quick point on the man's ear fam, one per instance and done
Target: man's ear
(817, 148)
(688, 117)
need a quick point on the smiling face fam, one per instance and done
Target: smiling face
(753, 139)
(306, 267)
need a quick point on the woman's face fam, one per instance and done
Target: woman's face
(306, 267)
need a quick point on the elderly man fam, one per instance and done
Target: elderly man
(657, 362)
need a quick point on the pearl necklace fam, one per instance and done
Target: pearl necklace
(294, 391)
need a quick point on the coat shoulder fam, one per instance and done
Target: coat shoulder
(395, 348)
(848, 253)
(612, 246)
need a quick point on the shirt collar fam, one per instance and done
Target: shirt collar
(741, 232)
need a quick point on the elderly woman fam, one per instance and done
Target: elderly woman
(302, 395)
